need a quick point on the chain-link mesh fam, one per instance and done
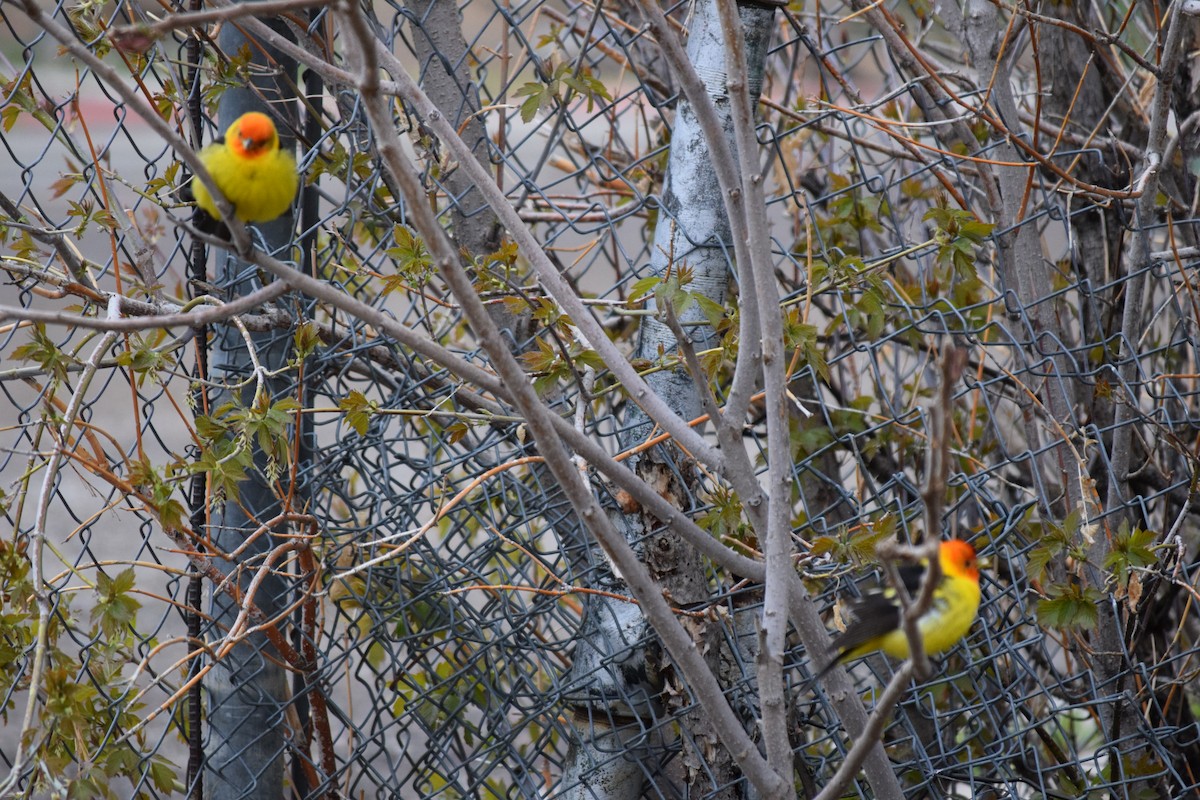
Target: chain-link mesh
(437, 577)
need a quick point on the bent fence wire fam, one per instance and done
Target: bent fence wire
(433, 584)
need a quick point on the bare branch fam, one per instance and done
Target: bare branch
(153, 316)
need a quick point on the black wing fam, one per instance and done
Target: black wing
(872, 616)
(875, 614)
(911, 576)
(207, 223)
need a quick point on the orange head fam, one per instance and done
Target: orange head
(252, 135)
(957, 557)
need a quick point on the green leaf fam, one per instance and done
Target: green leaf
(644, 286)
(162, 774)
(824, 546)
(804, 337)
(455, 431)
(670, 293)
(977, 231)
(412, 259)
(20, 97)
(532, 88)
(358, 411)
(115, 611)
(586, 84)
(1132, 550)
(958, 234)
(1053, 541)
(713, 311)
(306, 340)
(143, 357)
(267, 422)
(159, 491)
(45, 353)
(1070, 606)
(538, 95)
(1039, 559)
(546, 311)
(225, 462)
(542, 359)
(210, 428)
(589, 358)
(8, 117)
(724, 518)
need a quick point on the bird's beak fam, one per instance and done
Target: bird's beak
(249, 145)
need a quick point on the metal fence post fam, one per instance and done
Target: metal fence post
(247, 690)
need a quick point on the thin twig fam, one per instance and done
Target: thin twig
(695, 369)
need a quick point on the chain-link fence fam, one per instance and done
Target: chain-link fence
(398, 595)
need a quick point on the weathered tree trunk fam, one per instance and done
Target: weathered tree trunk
(442, 51)
(620, 678)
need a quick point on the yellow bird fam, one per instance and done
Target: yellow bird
(256, 177)
(876, 620)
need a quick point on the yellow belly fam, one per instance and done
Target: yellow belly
(260, 190)
(941, 628)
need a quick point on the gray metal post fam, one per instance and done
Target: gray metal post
(247, 690)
